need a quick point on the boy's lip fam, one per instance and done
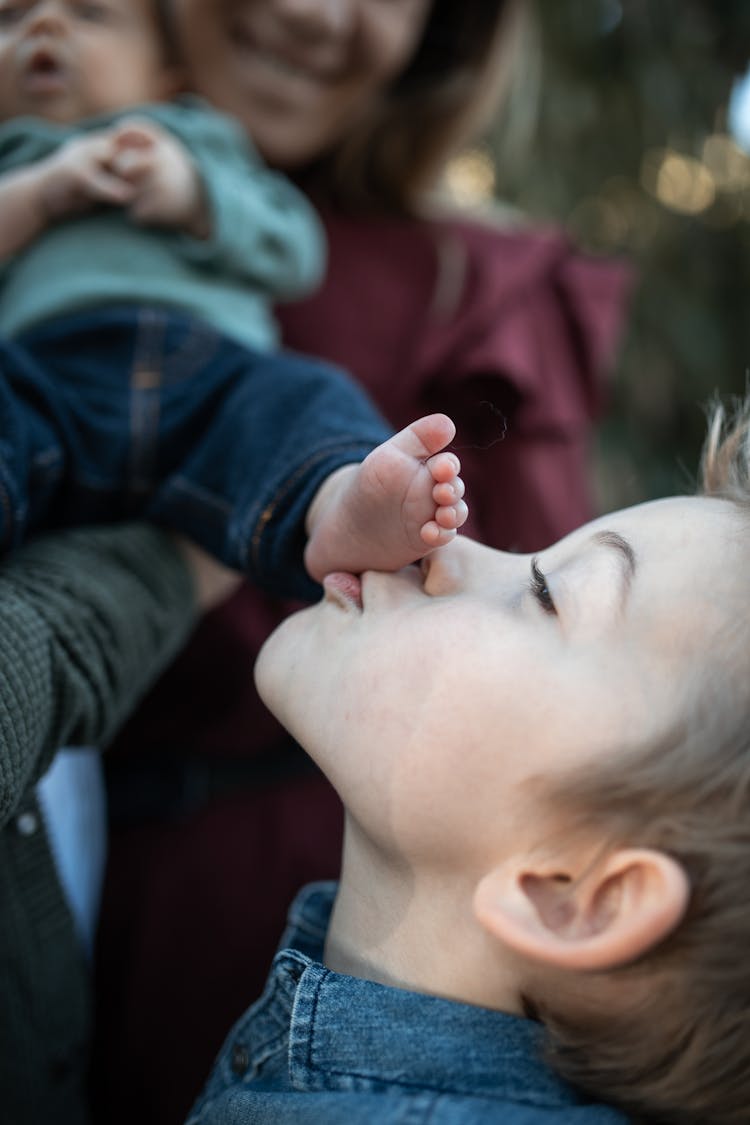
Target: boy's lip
(344, 589)
(372, 587)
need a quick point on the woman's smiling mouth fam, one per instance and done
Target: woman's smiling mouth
(287, 65)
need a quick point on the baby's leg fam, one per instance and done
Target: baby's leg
(34, 421)
(400, 503)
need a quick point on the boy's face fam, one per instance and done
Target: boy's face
(435, 706)
(69, 59)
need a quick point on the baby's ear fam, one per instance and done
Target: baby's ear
(592, 920)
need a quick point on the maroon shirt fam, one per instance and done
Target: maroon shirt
(509, 332)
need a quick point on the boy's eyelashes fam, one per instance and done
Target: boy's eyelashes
(540, 589)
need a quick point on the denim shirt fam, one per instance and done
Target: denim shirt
(321, 1048)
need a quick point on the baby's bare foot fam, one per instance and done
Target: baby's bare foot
(404, 500)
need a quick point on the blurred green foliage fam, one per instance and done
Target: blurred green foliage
(623, 98)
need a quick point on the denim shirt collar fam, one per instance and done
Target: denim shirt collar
(345, 1030)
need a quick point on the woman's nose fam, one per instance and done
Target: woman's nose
(319, 16)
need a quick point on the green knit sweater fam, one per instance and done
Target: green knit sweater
(266, 241)
(87, 619)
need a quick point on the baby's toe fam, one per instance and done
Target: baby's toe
(433, 535)
(448, 492)
(444, 466)
(452, 516)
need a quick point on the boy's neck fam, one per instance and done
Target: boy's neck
(414, 930)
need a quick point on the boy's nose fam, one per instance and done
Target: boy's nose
(470, 567)
(443, 571)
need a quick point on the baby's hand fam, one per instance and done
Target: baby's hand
(166, 186)
(78, 176)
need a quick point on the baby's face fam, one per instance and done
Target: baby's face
(64, 60)
(436, 705)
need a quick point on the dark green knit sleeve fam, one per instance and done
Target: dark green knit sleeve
(88, 618)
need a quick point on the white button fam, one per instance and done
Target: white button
(27, 823)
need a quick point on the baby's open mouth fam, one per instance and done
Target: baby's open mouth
(44, 70)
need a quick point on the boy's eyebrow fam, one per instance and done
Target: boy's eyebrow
(617, 542)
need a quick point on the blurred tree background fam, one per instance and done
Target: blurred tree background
(618, 129)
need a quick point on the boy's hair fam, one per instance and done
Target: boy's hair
(459, 74)
(675, 1046)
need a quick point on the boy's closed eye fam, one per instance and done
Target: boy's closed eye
(540, 589)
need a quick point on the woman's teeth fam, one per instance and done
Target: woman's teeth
(272, 60)
(281, 65)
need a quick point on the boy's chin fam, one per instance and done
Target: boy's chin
(267, 670)
(279, 657)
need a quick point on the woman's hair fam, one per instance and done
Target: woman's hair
(164, 20)
(458, 75)
(677, 1051)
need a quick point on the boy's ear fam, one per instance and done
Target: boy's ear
(616, 910)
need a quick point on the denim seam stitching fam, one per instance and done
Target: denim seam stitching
(145, 382)
(398, 1082)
